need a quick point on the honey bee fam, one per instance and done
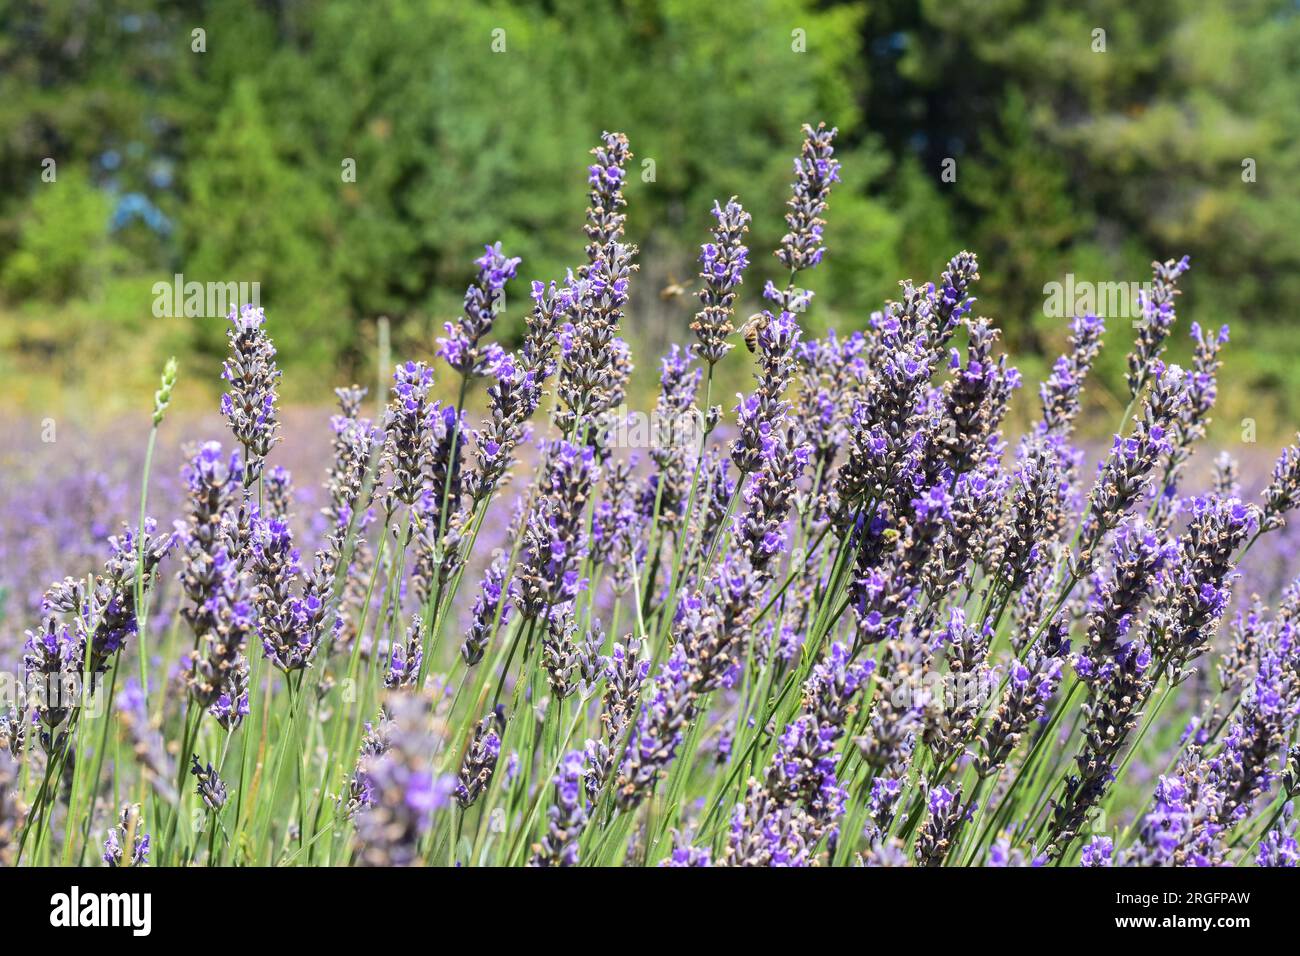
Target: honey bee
(673, 289)
(755, 324)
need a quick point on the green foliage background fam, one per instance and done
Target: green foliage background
(225, 165)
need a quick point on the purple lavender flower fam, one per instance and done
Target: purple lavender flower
(405, 657)
(1030, 685)
(616, 526)
(625, 672)
(951, 301)
(1157, 319)
(480, 759)
(252, 377)
(709, 631)
(946, 812)
(889, 425)
(50, 670)
(831, 373)
(954, 722)
(1283, 491)
(1002, 854)
(555, 538)
(484, 299)
(1099, 851)
(1180, 828)
(1199, 588)
(1037, 505)
(1060, 392)
(1125, 476)
(406, 427)
(491, 610)
(885, 794)
(566, 817)
(404, 788)
(761, 414)
(208, 784)
(129, 833)
(1278, 847)
(973, 403)
(595, 363)
(723, 262)
(815, 170)
(288, 620)
(686, 855)
(1138, 557)
(513, 397)
(1110, 715)
(760, 529)
(673, 439)
(1193, 416)
(229, 617)
(606, 177)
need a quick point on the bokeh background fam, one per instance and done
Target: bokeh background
(225, 165)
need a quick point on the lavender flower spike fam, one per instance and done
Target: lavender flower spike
(815, 170)
(484, 299)
(1283, 492)
(129, 834)
(723, 265)
(1060, 392)
(404, 790)
(406, 429)
(567, 816)
(946, 813)
(606, 177)
(253, 377)
(1157, 319)
(480, 759)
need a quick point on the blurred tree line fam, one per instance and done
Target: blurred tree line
(221, 155)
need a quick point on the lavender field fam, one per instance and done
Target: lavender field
(845, 618)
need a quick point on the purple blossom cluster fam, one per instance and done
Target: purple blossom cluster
(856, 623)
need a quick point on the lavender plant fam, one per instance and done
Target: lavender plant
(856, 623)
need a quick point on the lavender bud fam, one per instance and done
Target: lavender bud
(405, 657)
(1060, 392)
(209, 786)
(480, 759)
(1278, 847)
(407, 436)
(945, 815)
(493, 599)
(163, 397)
